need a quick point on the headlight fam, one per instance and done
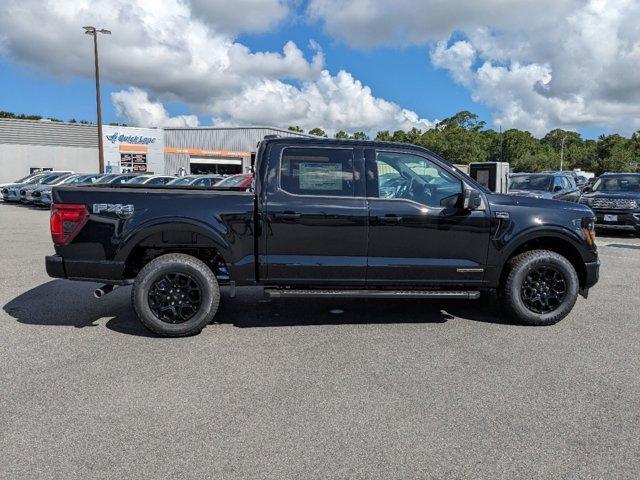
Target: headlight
(589, 230)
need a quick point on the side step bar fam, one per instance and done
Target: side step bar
(312, 293)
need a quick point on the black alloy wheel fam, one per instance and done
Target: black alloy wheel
(175, 297)
(544, 289)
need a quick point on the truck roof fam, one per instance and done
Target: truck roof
(348, 143)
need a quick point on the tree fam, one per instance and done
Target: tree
(318, 132)
(295, 129)
(383, 136)
(341, 134)
(360, 136)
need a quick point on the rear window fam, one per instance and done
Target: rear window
(317, 171)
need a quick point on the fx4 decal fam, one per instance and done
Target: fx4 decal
(119, 209)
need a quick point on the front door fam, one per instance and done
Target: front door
(418, 235)
(316, 222)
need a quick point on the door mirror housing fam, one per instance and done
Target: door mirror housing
(557, 188)
(471, 199)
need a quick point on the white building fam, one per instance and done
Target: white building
(30, 145)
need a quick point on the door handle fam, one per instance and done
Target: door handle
(390, 219)
(286, 216)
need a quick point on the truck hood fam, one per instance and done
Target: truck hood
(497, 200)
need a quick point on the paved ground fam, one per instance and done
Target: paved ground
(387, 389)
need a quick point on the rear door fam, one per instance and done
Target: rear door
(417, 235)
(316, 216)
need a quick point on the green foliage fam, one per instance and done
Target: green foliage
(462, 138)
(318, 132)
(341, 134)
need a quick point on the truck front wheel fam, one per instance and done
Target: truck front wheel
(541, 287)
(175, 295)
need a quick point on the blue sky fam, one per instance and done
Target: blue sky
(194, 62)
(402, 75)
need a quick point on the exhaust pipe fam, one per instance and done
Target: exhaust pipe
(103, 290)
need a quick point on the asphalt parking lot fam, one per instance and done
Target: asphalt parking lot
(289, 389)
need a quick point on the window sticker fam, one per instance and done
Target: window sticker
(320, 176)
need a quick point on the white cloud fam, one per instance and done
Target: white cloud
(240, 15)
(538, 64)
(185, 50)
(135, 106)
(333, 102)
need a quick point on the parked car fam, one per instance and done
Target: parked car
(186, 180)
(241, 180)
(20, 180)
(316, 225)
(615, 199)
(42, 194)
(151, 180)
(11, 193)
(553, 186)
(197, 180)
(116, 178)
(26, 192)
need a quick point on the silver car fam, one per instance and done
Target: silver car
(11, 192)
(42, 194)
(53, 178)
(151, 180)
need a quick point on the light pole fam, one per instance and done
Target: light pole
(94, 32)
(564, 139)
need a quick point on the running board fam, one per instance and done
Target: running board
(311, 293)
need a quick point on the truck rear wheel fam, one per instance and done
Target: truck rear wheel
(541, 287)
(175, 295)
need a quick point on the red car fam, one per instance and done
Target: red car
(242, 180)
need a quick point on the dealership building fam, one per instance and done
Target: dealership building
(31, 145)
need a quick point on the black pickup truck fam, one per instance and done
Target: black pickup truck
(327, 218)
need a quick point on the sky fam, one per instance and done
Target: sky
(357, 65)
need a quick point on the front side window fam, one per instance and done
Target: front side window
(412, 177)
(317, 171)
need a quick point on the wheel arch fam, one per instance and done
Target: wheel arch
(165, 236)
(558, 243)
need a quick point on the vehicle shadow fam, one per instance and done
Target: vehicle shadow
(71, 304)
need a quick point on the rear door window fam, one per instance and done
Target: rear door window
(318, 171)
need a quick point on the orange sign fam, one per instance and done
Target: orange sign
(207, 153)
(133, 148)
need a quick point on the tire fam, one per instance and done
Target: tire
(531, 308)
(192, 285)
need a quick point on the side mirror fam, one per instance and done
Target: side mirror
(471, 199)
(586, 189)
(557, 188)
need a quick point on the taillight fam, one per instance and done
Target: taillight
(66, 221)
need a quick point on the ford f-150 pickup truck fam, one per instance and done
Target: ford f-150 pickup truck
(326, 218)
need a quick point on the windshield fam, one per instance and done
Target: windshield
(24, 179)
(618, 183)
(233, 181)
(35, 180)
(530, 182)
(106, 178)
(138, 180)
(181, 181)
(58, 180)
